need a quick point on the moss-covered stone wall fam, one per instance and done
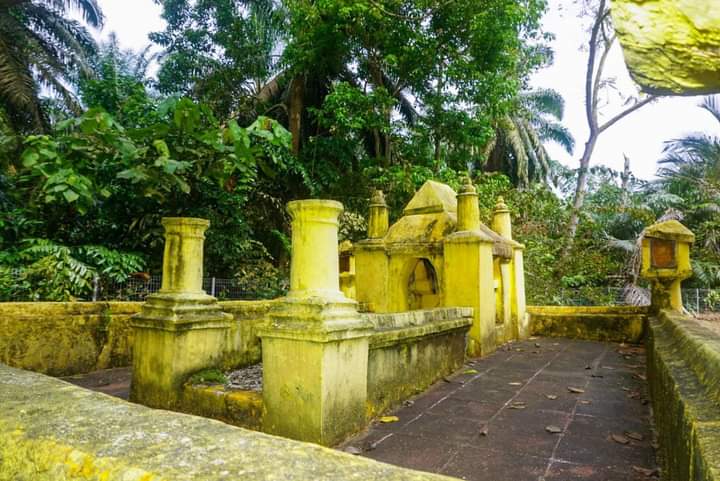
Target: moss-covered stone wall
(67, 338)
(684, 378)
(51, 430)
(598, 323)
(411, 350)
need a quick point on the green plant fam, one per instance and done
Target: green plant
(208, 376)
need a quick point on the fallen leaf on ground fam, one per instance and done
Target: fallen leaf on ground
(552, 397)
(608, 367)
(518, 405)
(471, 371)
(596, 375)
(553, 429)
(585, 401)
(620, 439)
(576, 390)
(588, 367)
(642, 377)
(645, 471)
(634, 435)
(408, 403)
(515, 383)
(484, 431)
(537, 344)
(389, 419)
(353, 450)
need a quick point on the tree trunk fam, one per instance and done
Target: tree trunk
(297, 97)
(580, 189)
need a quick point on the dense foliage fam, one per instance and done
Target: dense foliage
(256, 103)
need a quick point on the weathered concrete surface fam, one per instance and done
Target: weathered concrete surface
(68, 338)
(598, 323)
(51, 430)
(670, 46)
(506, 396)
(411, 350)
(65, 338)
(684, 373)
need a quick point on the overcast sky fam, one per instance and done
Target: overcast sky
(640, 136)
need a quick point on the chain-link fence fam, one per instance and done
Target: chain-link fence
(701, 300)
(137, 289)
(694, 300)
(595, 296)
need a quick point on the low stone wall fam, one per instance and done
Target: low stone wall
(239, 408)
(51, 430)
(411, 350)
(65, 338)
(243, 344)
(684, 378)
(598, 323)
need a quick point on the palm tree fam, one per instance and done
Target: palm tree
(693, 162)
(39, 48)
(517, 149)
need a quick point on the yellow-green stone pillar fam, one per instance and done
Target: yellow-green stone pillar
(181, 329)
(469, 272)
(315, 348)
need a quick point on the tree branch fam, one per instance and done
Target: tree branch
(601, 66)
(626, 112)
(590, 110)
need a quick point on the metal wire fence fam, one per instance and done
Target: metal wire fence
(137, 289)
(694, 300)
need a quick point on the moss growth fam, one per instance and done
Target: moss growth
(604, 323)
(208, 376)
(50, 430)
(682, 372)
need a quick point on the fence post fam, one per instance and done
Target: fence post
(697, 299)
(212, 287)
(96, 288)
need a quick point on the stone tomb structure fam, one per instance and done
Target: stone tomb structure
(439, 254)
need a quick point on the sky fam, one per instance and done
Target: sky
(640, 136)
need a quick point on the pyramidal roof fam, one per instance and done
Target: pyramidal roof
(670, 229)
(433, 197)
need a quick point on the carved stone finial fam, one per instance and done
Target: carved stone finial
(467, 186)
(500, 204)
(378, 198)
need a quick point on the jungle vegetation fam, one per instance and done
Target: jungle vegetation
(256, 103)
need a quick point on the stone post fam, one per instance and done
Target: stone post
(468, 258)
(315, 348)
(371, 282)
(180, 330)
(378, 222)
(502, 224)
(468, 210)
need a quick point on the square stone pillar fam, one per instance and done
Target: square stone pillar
(315, 348)
(518, 306)
(469, 282)
(180, 330)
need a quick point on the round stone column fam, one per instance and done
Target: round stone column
(468, 210)
(501, 222)
(183, 257)
(378, 222)
(314, 268)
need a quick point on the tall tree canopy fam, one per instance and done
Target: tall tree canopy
(40, 48)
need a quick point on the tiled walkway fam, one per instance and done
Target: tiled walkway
(492, 421)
